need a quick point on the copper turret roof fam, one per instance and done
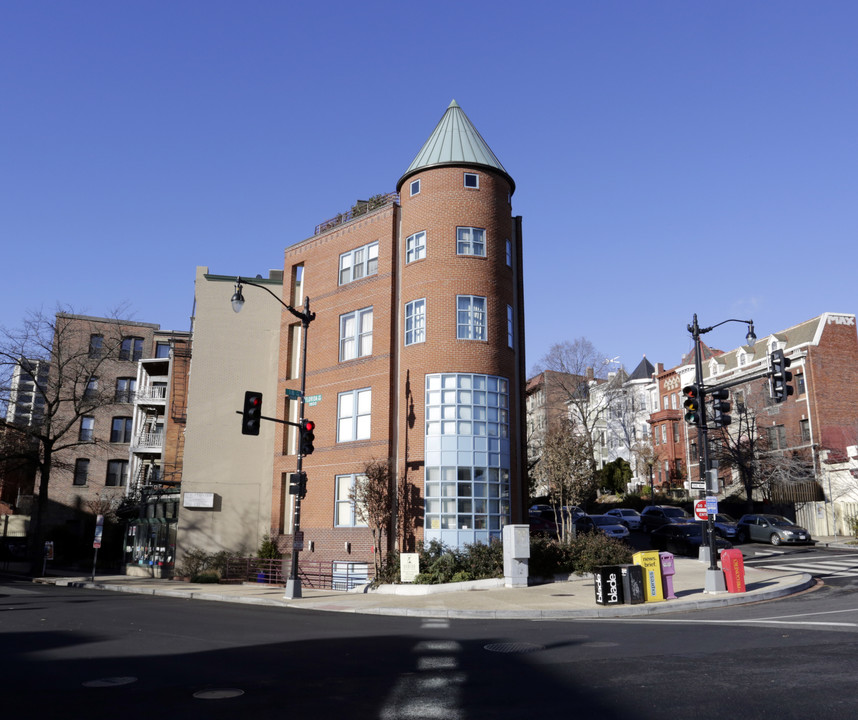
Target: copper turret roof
(455, 141)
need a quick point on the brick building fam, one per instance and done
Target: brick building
(81, 399)
(817, 424)
(416, 354)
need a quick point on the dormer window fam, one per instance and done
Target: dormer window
(472, 180)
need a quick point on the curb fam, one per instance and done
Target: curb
(804, 582)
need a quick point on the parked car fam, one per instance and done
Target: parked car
(775, 529)
(683, 539)
(605, 524)
(573, 511)
(628, 517)
(541, 526)
(654, 516)
(725, 526)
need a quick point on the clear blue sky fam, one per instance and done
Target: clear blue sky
(670, 157)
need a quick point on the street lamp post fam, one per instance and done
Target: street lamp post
(293, 584)
(714, 578)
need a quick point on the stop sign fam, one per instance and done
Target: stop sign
(700, 510)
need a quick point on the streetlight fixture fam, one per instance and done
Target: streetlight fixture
(293, 584)
(714, 578)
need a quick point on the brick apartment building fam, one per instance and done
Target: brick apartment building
(86, 394)
(817, 423)
(416, 354)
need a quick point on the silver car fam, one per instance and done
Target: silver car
(628, 517)
(605, 524)
(775, 529)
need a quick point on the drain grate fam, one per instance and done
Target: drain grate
(514, 647)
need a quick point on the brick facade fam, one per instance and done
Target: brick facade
(396, 373)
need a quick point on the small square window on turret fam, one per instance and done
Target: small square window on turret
(472, 180)
(415, 187)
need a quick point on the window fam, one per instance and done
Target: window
(356, 334)
(81, 471)
(120, 430)
(415, 247)
(664, 434)
(799, 384)
(125, 388)
(471, 241)
(472, 180)
(509, 326)
(776, 437)
(359, 263)
(91, 389)
(353, 415)
(96, 345)
(471, 317)
(415, 322)
(467, 456)
(162, 349)
(117, 473)
(87, 425)
(346, 508)
(131, 348)
(415, 187)
(805, 430)
(508, 253)
(676, 432)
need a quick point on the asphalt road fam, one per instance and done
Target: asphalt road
(91, 654)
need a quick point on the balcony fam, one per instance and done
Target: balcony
(155, 395)
(148, 442)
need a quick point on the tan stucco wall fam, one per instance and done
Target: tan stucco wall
(232, 353)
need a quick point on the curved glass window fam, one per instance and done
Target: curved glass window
(467, 475)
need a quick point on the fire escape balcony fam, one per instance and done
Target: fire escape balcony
(155, 395)
(148, 443)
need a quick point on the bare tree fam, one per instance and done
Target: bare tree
(565, 469)
(646, 456)
(373, 499)
(55, 359)
(574, 364)
(765, 467)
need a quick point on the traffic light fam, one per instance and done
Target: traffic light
(307, 437)
(780, 377)
(298, 484)
(692, 404)
(720, 408)
(252, 413)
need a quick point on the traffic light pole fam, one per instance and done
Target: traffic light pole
(703, 448)
(293, 584)
(714, 578)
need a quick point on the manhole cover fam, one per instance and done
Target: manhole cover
(218, 694)
(514, 647)
(110, 682)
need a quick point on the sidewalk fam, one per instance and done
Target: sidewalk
(484, 599)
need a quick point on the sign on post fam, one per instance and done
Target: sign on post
(700, 510)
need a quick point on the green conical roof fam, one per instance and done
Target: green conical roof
(455, 141)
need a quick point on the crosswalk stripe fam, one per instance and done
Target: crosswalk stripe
(817, 568)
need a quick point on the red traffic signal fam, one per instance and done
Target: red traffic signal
(306, 428)
(252, 414)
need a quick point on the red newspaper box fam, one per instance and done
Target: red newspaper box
(733, 565)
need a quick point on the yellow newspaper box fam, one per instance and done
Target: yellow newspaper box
(648, 560)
